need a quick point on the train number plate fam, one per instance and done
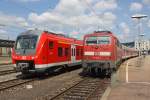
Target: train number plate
(23, 65)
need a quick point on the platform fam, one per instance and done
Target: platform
(131, 82)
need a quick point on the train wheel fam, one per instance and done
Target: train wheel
(85, 71)
(114, 69)
(92, 72)
(109, 72)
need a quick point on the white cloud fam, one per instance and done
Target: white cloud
(44, 17)
(13, 21)
(125, 31)
(135, 6)
(81, 23)
(2, 31)
(147, 2)
(125, 28)
(106, 5)
(71, 16)
(70, 7)
(3, 34)
(148, 24)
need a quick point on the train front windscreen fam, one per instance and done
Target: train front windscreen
(94, 40)
(26, 44)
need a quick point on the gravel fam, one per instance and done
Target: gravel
(39, 89)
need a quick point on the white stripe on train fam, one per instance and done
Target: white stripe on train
(97, 53)
(55, 64)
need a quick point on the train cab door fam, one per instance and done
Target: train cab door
(73, 53)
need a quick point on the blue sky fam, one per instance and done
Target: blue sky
(74, 17)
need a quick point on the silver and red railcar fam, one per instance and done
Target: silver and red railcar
(42, 51)
(103, 51)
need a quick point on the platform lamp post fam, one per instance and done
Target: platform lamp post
(142, 42)
(139, 17)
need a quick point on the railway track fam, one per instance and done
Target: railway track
(16, 82)
(86, 89)
(12, 83)
(7, 72)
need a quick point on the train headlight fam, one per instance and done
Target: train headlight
(105, 53)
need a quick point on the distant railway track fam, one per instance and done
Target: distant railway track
(6, 64)
(7, 72)
(12, 83)
(86, 89)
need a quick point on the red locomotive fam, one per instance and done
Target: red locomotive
(103, 51)
(41, 51)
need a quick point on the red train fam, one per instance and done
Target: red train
(41, 51)
(103, 51)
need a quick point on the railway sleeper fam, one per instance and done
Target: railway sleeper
(77, 94)
(76, 97)
(88, 87)
(78, 89)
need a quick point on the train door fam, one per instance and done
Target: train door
(73, 53)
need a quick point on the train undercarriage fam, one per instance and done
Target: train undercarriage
(99, 67)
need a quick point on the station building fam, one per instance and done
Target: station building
(5, 47)
(143, 45)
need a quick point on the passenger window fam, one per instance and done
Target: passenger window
(66, 51)
(60, 51)
(51, 44)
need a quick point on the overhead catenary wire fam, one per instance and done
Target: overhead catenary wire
(94, 12)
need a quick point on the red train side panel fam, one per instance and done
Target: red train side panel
(103, 51)
(37, 51)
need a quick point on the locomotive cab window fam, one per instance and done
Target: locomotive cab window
(26, 42)
(91, 40)
(103, 40)
(98, 40)
(51, 44)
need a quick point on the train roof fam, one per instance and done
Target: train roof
(106, 32)
(31, 32)
(39, 32)
(99, 33)
(57, 34)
